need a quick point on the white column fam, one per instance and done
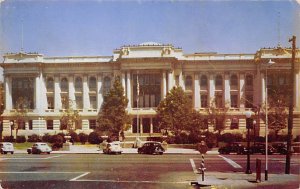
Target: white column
(44, 93)
(57, 91)
(8, 93)
(170, 80)
(72, 91)
(128, 91)
(86, 96)
(242, 90)
(164, 85)
(227, 90)
(99, 92)
(211, 88)
(196, 92)
(181, 83)
(151, 125)
(123, 82)
(37, 92)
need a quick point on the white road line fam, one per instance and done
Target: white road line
(231, 162)
(193, 166)
(82, 175)
(2, 159)
(135, 181)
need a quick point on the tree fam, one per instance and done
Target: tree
(173, 112)
(70, 117)
(277, 108)
(113, 117)
(217, 116)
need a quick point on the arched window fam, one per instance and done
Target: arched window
(234, 80)
(203, 81)
(249, 80)
(78, 84)
(50, 84)
(188, 83)
(219, 82)
(106, 85)
(92, 84)
(64, 85)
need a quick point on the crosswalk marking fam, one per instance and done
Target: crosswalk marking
(231, 162)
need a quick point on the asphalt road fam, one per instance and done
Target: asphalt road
(78, 171)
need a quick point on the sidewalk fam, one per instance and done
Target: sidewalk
(240, 180)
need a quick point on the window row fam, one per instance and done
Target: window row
(234, 80)
(92, 84)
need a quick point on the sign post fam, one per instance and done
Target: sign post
(202, 149)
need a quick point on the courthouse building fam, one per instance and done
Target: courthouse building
(237, 81)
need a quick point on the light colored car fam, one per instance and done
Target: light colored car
(39, 147)
(112, 148)
(6, 147)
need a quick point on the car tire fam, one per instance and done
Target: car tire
(160, 153)
(5, 152)
(38, 152)
(48, 152)
(11, 152)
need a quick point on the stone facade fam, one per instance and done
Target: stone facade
(233, 80)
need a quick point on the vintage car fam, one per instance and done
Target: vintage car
(261, 148)
(234, 147)
(6, 147)
(112, 148)
(151, 147)
(280, 147)
(38, 148)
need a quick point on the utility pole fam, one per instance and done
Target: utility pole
(291, 106)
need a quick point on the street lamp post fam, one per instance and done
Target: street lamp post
(248, 126)
(254, 131)
(266, 127)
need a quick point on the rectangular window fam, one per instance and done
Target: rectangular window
(92, 123)
(147, 103)
(177, 80)
(234, 123)
(249, 101)
(219, 101)
(204, 103)
(78, 99)
(234, 100)
(152, 101)
(30, 124)
(93, 101)
(50, 101)
(49, 124)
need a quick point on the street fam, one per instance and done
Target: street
(123, 171)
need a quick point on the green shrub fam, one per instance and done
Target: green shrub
(34, 138)
(95, 138)
(57, 141)
(8, 139)
(83, 138)
(230, 137)
(46, 138)
(21, 139)
(74, 136)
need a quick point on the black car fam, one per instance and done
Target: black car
(261, 148)
(151, 148)
(233, 148)
(280, 147)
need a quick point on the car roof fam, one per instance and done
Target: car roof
(5, 143)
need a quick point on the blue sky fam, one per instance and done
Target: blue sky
(79, 28)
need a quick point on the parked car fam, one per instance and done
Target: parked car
(261, 148)
(38, 148)
(280, 147)
(296, 147)
(234, 147)
(112, 148)
(151, 147)
(6, 147)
